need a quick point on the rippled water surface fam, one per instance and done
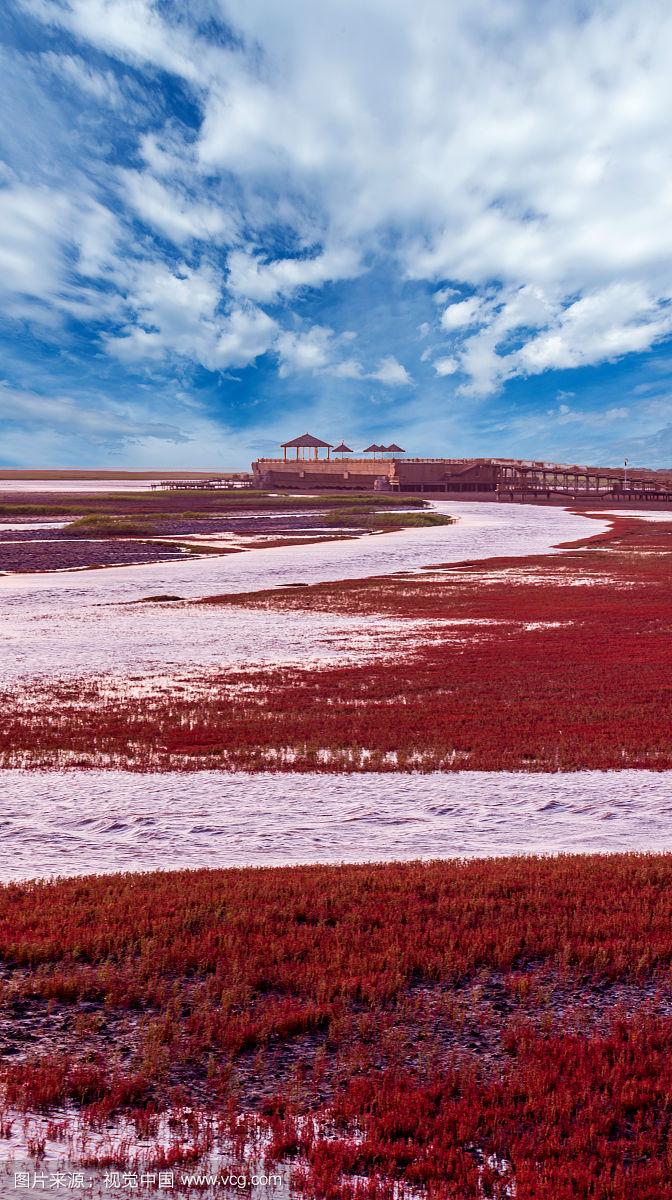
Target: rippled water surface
(87, 821)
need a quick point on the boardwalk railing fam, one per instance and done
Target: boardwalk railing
(234, 483)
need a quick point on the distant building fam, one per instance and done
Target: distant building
(303, 446)
(302, 468)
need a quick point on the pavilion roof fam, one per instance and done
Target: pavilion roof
(371, 448)
(343, 449)
(394, 449)
(306, 439)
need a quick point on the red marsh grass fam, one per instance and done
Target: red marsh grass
(459, 1027)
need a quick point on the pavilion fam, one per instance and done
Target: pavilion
(307, 443)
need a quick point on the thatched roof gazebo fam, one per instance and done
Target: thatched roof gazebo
(373, 449)
(306, 442)
(393, 449)
(343, 449)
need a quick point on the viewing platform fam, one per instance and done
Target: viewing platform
(310, 464)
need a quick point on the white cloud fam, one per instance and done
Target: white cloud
(97, 236)
(564, 415)
(90, 426)
(248, 333)
(309, 351)
(48, 240)
(391, 372)
(444, 294)
(100, 85)
(603, 325)
(525, 333)
(547, 178)
(101, 422)
(582, 434)
(173, 213)
(464, 313)
(517, 153)
(34, 224)
(349, 368)
(264, 281)
(167, 153)
(177, 313)
(318, 350)
(131, 29)
(446, 366)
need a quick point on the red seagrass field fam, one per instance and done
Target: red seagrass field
(486, 1029)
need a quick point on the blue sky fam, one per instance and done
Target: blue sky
(223, 222)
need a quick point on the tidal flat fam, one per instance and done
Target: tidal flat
(331, 823)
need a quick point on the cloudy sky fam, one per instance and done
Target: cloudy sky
(443, 222)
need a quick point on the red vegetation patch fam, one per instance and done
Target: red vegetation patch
(452, 1025)
(549, 664)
